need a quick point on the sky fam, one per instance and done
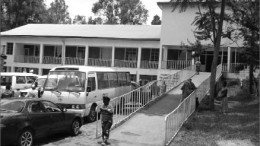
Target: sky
(83, 7)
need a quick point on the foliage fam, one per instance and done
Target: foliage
(196, 47)
(79, 20)
(97, 20)
(209, 25)
(156, 20)
(121, 11)
(58, 13)
(16, 13)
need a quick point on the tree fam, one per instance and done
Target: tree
(121, 11)
(156, 20)
(15, 13)
(58, 13)
(246, 14)
(79, 20)
(97, 20)
(212, 29)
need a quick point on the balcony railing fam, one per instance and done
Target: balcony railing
(51, 60)
(74, 61)
(234, 67)
(149, 64)
(176, 64)
(26, 59)
(126, 63)
(99, 62)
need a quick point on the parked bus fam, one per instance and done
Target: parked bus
(81, 88)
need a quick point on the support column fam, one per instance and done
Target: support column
(139, 57)
(86, 55)
(192, 60)
(160, 57)
(63, 53)
(40, 71)
(113, 57)
(228, 59)
(41, 54)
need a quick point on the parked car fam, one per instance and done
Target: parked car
(25, 119)
(39, 82)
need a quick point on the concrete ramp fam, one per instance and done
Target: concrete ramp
(147, 127)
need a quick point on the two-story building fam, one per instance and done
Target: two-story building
(147, 51)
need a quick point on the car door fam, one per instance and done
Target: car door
(57, 117)
(39, 119)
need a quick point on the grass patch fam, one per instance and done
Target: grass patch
(211, 127)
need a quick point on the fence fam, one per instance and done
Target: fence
(99, 62)
(26, 59)
(74, 60)
(175, 119)
(128, 104)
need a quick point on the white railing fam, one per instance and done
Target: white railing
(128, 104)
(99, 62)
(74, 61)
(26, 59)
(234, 67)
(149, 64)
(175, 79)
(176, 64)
(175, 119)
(125, 63)
(51, 60)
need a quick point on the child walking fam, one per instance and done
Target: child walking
(106, 112)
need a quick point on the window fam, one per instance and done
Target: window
(20, 79)
(36, 107)
(122, 78)
(50, 107)
(112, 79)
(92, 83)
(6, 80)
(103, 81)
(30, 79)
(9, 50)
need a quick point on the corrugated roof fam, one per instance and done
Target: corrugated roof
(150, 32)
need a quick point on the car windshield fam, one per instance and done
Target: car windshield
(70, 81)
(16, 106)
(40, 82)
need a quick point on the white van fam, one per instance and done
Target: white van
(17, 80)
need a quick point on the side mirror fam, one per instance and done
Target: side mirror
(88, 89)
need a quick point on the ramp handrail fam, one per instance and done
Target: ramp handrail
(175, 119)
(128, 104)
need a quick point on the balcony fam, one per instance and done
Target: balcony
(51, 60)
(149, 64)
(74, 61)
(176, 64)
(234, 67)
(26, 59)
(126, 63)
(99, 62)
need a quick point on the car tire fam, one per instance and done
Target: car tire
(26, 138)
(92, 116)
(75, 127)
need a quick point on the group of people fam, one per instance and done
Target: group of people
(8, 92)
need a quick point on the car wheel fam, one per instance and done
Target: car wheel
(92, 116)
(26, 138)
(75, 126)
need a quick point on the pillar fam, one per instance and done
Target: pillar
(139, 57)
(113, 57)
(41, 55)
(86, 55)
(229, 59)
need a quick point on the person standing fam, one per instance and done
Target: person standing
(187, 88)
(106, 112)
(197, 64)
(222, 95)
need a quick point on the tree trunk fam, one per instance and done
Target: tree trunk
(251, 78)
(216, 54)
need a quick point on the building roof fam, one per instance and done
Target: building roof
(136, 32)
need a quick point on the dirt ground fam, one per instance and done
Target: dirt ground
(239, 127)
